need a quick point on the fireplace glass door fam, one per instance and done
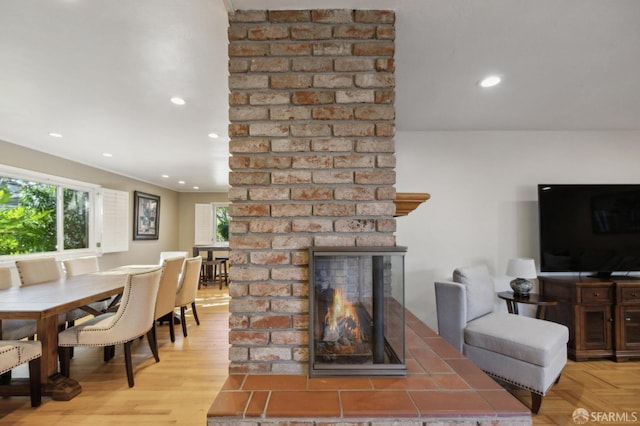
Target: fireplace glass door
(357, 320)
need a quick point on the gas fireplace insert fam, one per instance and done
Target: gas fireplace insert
(356, 312)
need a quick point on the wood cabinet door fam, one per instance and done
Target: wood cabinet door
(595, 329)
(628, 331)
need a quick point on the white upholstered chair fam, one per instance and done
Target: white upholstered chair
(187, 290)
(134, 318)
(527, 352)
(82, 266)
(14, 329)
(5, 278)
(170, 254)
(166, 300)
(38, 270)
(15, 353)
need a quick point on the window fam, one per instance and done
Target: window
(222, 223)
(44, 214)
(212, 224)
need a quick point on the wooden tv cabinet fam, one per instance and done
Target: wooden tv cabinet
(602, 314)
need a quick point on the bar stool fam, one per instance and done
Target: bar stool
(220, 270)
(205, 274)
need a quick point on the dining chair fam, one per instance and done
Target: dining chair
(134, 318)
(5, 278)
(14, 353)
(82, 266)
(166, 300)
(14, 329)
(170, 254)
(38, 270)
(188, 289)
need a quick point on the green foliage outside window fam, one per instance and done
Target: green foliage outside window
(222, 224)
(28, 217)
(76, 219)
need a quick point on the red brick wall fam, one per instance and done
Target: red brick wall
(312, 163)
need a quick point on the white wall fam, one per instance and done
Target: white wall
(483, 205)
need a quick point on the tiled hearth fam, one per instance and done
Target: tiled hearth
(441, 386)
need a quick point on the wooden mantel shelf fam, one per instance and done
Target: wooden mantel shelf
(406, 202)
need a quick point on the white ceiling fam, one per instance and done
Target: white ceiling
(101, 73)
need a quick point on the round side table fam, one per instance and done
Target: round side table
(513, 299)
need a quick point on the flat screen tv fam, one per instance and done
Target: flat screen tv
(589, 228)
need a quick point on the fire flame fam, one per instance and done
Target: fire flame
(339, 312)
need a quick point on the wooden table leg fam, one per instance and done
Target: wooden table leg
(512, 307)
(60, 388)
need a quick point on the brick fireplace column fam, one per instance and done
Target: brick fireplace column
(312, 163)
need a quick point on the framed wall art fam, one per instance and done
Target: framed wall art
(146, 216)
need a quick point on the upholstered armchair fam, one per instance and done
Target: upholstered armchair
(15, 353)
(526, 352)
(82, 266)
(14, 329)
(171, 254)
(134, 318)
(166, 300)
(187, 290)
(38, 270)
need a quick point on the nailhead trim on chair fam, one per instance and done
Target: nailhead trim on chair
(130, 289)
(8, 347)
(514, 383)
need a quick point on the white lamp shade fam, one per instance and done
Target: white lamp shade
(521, 268)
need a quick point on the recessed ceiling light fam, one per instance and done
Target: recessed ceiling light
(178, 101)
(55, 135)
(181, 182)
(107, 154)
(165, 176)
(213, 135)
(196, 187)
(490, 81)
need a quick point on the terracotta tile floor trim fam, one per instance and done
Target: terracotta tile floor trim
(441, 385)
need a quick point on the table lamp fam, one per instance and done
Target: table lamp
(523, 270)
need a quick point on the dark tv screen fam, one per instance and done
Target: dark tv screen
(589, 228)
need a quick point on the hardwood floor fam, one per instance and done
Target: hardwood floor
(181, 387)
(600, 386)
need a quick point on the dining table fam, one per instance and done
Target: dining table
(216, 254)
(211, 249)
(44, 302)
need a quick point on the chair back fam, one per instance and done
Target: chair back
(81, 265)
(470, 295)
(134, 316)
(39, 270)
(170, 254)
(189, 281)
(480, 289)
(5, 278)
(166, 299)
